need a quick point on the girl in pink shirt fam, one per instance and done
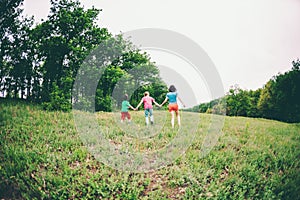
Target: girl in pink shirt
(147, 100)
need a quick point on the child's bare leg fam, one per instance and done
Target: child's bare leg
(178, 118)
(172, 120)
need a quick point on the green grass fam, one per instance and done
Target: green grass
(43, 156)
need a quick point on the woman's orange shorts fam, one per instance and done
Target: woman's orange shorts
(173, 107)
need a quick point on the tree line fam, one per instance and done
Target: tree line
(278, 99)
(39, 62)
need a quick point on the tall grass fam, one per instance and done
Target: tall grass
(42, 156)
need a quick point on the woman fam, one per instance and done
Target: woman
(172, 96)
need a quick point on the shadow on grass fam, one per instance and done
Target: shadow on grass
(9, 191)
(291, 188)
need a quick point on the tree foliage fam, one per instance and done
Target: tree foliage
(279, 99)
(14, 48)
(40, 63)
(242, 102)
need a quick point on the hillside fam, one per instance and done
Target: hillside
(42, 156)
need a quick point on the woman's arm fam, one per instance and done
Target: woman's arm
(166, 99)
(156, 103)
(181, 101)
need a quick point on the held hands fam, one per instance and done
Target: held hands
(158, 105)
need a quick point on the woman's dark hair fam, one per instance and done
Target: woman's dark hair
(172, 88)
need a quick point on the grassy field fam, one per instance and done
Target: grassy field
(48, 155)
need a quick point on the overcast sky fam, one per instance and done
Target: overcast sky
(248, 41)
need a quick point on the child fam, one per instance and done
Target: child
(147, 100)
(124, 109)
(172, 96)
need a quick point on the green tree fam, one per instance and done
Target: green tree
(238, 102)
(20, 60)
(65, 39)
(280, 96)
(41, 63)
(133, 75)
(109, 79)
(9, 25)
(266, 105)
(254, 96)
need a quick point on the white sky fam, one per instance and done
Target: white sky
(249, 41)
